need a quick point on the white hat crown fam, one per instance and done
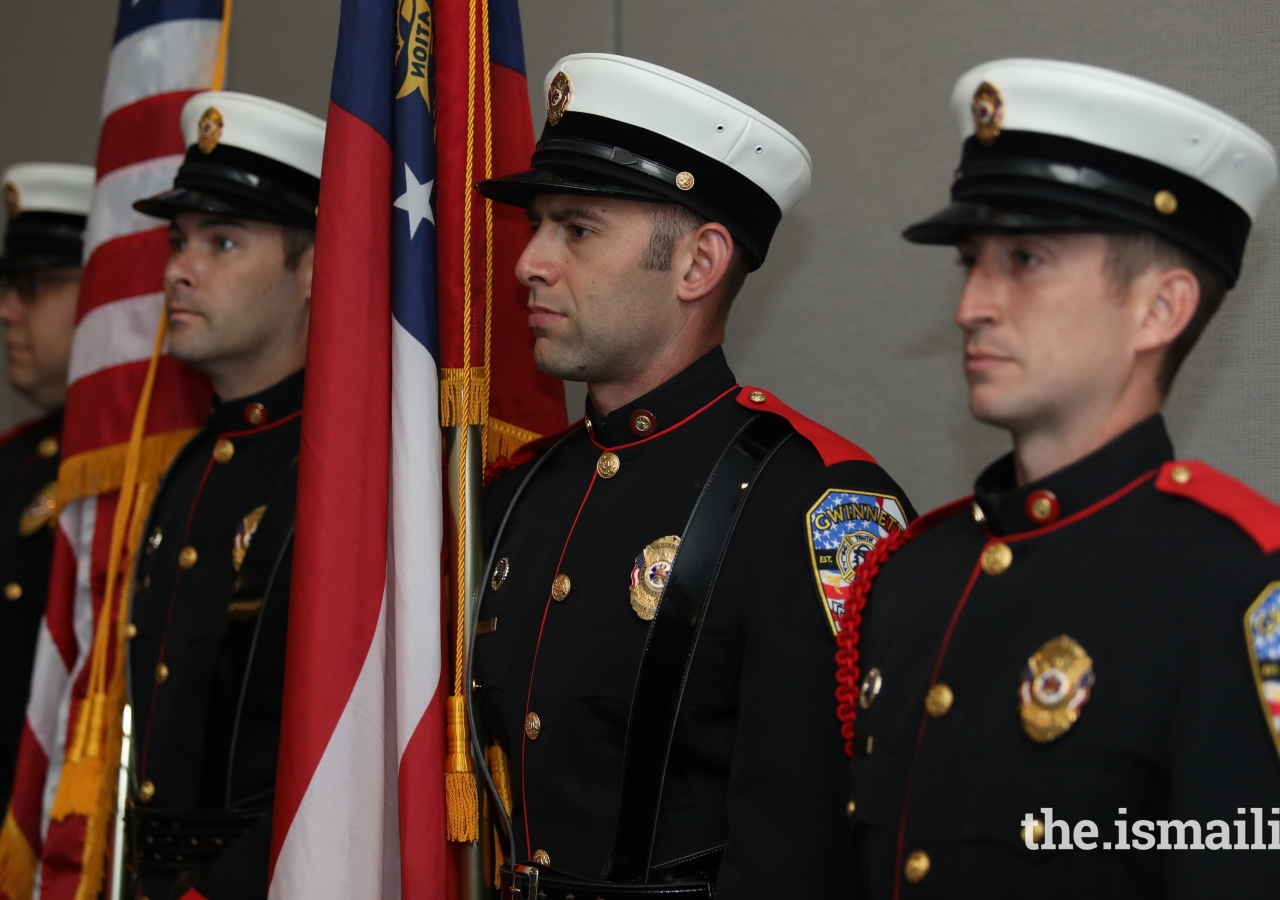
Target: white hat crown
(266, 127)
(691, 113)
(50, 187)
(1127, 114)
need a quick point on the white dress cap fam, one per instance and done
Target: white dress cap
(1129, 115)
(256, 124)
(49, 187)
(691, 113)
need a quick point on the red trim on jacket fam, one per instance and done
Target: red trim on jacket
(832, 447)
(1256, 516)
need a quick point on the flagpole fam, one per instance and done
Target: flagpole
(466, 493)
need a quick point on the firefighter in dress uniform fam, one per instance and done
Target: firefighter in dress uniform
(211, 590)
(1064, 685)
(40, 270)
(650, 197)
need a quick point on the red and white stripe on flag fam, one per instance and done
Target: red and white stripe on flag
(164, 51)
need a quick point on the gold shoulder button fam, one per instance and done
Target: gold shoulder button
(49, 446)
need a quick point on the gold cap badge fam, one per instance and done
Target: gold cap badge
(12, 200)
(558, 98)
(988, 110)
(209, 131)
(650, 575)
(1055, 684)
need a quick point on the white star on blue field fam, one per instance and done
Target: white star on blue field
(416, 201)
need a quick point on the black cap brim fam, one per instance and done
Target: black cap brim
(178, 200)
(1027, 181)
(521, 188)
(958, 220)
(39, 239)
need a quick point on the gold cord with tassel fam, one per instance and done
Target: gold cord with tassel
(462, 802)
(87, 786)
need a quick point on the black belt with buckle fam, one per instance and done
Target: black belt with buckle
(691, 877)
(185, 838)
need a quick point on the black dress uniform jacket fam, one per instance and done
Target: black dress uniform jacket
(204, 670)
(756, 762)
(28, 476)
(1153, 585)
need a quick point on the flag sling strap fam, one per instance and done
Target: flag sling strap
(664, 669)
(673, 639)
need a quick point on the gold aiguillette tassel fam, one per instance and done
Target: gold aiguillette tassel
(500, 771)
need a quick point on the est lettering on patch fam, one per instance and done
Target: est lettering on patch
(1262, 634)
(842, 528)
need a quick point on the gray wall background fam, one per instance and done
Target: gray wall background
(846, 322)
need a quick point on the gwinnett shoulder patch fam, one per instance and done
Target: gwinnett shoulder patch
(1262, 635)
(842, 528)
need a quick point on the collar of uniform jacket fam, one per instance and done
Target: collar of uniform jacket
(246, 413)
(668, 404)
(1141, 449)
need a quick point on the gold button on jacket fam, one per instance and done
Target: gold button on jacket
(917, 866)
(938, 701)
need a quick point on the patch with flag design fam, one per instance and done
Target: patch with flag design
(841, 529)
(1262, 635)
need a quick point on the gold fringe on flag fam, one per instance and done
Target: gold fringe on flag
(505, 439)
(500, 772)
(464, 396)
(17, 861)
(96, 472)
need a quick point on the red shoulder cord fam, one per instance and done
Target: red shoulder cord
(848, 673)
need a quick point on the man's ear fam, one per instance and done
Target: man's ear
(305, 272)
(1168, 302)
(701, 260)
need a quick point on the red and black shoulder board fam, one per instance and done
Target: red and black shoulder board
(832, 447)
(525, 453)
(1257, 516)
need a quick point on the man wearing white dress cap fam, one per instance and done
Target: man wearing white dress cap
(1068, 683)
(652, 665)
(39, 285)
(211, 595)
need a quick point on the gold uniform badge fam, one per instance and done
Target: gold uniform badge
(1055, 684)
(650, 575)
(244, 536)
(41, 511)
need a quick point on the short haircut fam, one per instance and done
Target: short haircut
(1130, 254)
(296, 241)
(668, 222)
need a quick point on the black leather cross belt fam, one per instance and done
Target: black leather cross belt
(629, 871)
(185, 838)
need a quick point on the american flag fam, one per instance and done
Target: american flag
(427, 98)
(54, 843)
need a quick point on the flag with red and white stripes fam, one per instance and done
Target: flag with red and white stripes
(417, 321)
(164, 51)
